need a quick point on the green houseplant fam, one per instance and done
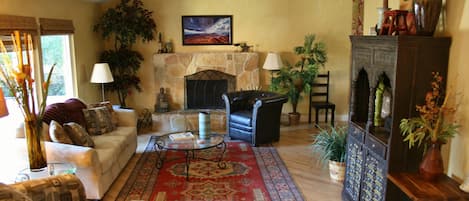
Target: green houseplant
(292, 80)
(431, 127)
(124, 24)
(331, 145)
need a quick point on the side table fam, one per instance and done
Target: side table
(53, 168)
(413, 185)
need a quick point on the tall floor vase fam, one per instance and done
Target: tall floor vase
(427, 14)
(35, 146)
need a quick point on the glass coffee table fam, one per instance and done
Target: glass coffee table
(166, 143)
(53, 168)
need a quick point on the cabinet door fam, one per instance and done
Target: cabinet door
(354, 168)
(373, 185)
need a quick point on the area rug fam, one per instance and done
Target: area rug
(252, 173)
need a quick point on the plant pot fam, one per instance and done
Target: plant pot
(337, 170)
(294, 118)
(431, 167)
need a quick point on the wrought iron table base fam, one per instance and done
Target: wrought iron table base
(190, 155)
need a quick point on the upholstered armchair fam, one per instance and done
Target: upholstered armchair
(254, 116)
(64, 187)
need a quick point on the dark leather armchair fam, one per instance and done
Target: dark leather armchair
(254, 116)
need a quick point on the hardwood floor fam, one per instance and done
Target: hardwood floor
(294, 149)
(312, 178)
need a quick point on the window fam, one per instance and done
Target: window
(56, 43)
(56, 50)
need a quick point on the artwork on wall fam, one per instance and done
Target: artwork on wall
(207, 30)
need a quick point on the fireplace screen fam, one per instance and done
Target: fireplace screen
(203, 89)
(205, 94)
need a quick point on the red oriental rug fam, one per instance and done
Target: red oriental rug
(252, 173)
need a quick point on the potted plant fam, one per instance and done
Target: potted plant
(431, 127)
(292, 80)
(124, 24)
(331, 145)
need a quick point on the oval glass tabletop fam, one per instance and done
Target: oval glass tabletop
(188, 141)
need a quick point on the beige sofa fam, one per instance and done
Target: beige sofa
(99, 166)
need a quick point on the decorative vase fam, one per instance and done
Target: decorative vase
(426, 13)
(431, 167)
(337, 170)
(204, 125)
(35, 145)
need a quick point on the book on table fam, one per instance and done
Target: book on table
(181, 136)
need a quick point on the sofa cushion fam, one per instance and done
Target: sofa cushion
(98, 120)
(109, 146)
(68, 111)
(78, 134)
(108, 105)
(58, 134)
(74, 109)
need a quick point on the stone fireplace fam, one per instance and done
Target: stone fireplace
(228, 71)
(171, 71)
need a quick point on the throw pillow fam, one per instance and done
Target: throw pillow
(58, 134)
(78, 134)
(108, 105)
(10, 193)
(98, 120)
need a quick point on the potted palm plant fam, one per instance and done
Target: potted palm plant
(330, 145)
(124, 24)
(292, 80)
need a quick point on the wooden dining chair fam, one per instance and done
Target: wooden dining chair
(319, 97)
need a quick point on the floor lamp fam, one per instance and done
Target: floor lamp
(272, 63)
(101, 74)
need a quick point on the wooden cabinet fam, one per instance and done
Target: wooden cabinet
(406, 64)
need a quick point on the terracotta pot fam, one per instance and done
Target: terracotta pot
(294, 118)
(431, 167)
(426, 13)
(336, 170)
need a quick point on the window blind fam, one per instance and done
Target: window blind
(9, 23)
(56, 26)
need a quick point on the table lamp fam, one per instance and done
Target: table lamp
(101, 74)
(272, 62)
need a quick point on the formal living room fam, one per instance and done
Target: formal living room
(234, 100)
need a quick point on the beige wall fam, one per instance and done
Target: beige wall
(87, 44)
(269, 25)
(457, 19)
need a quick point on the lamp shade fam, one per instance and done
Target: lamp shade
(273, 61)
(3, 105)
(101, 73)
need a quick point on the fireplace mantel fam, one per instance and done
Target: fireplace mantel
(170, 69)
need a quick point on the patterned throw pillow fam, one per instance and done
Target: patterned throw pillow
(58, 134)
(98, 120)
(78, 134)
(10, 193)
(108, 105)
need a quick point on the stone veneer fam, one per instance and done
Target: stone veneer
(170, 70)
